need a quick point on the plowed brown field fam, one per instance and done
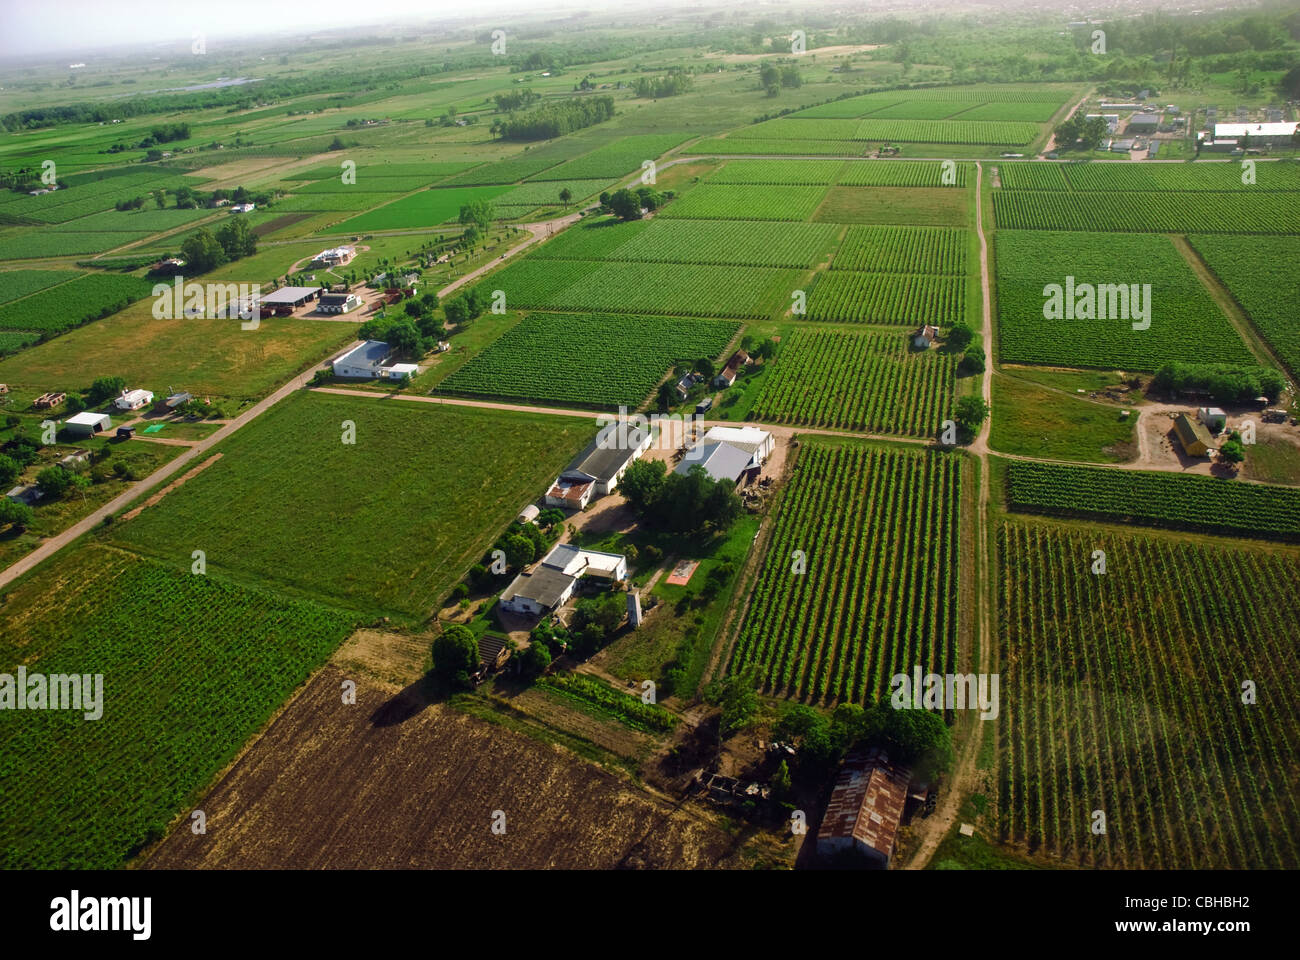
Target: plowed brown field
(395, 783)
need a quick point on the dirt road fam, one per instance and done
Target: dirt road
(60, 540)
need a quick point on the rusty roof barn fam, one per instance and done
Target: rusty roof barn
(865, 808)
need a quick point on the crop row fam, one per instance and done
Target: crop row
(902, 173)
(1159, 499)
(70, 304)
(822, 172)
(1185, 324)
(990, 132)
(1123, 692)
(848, 295)
(746, 202)
(1151, 177)
(19, 283)
(191, 666)
(757, 145)
(624, 155)
(861, 578)
(588, 360)
(1262, 277)
(679, 289)
(1146, 212)
(887, 249)
(870, 382)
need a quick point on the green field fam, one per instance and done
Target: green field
(1185, 323)
(202, 356)
(624, 358)
(869, 382)
(938, 250)
(192, 667)
(1261, 276)
(1036, 422)
(385, 525)
(907, 206)
(68, 305)
(19, 283)
(1122, 693)
(847, 295)
(881, 532)
(746, 202)
(719, 242)
(1159, 499)
(639, 287)
(781, 172)
(623, 156)
(427, 208)
(1148, 212)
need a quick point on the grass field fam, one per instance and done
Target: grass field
(1035, 422)
(1122, 693)
(536, 360)
(385, 525)
(880, 529)
(192, 666)
(202, 356)
(1185, 323)
(869, 382)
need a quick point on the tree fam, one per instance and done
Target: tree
(535, 659)
(403, 337)
(430, 301)
(414, 309)
(15, 514)
(769, 77)
(566, 195)
(959, 335)
(650, 199)
(739, 703)
(519, 550)
(237, 238)
(455, 656)
(970, 413)
(642, 482)
(160, 198)
(625, 204)
(201, 252)
(104, 388)
(9, 470)
(1232, 449)
(972, 361)
(338, 144)
(457, 311)
(706, 367)
(667, 398)
(781, 785)
(53, 481)
(478, 213)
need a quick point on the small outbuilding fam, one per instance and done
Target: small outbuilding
(925, 335)
(133, 400)
(1214, 418)
(528, 514)
(88, 423)
(1192, 436)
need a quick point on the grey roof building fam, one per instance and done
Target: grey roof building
(721, 461)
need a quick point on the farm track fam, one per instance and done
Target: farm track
(54, 544)
(940, 823)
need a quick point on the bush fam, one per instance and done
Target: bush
(455, 656)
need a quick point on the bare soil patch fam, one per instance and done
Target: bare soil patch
(396, 782)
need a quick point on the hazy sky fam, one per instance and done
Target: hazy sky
(46, 26)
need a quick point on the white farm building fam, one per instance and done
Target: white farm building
(552, 581)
